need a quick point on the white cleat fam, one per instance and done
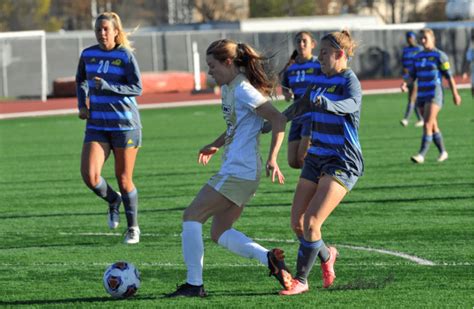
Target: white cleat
(442, 156)
(132, 235)
(404, 122)
(114, 215)
(419, 159)
(419, 123)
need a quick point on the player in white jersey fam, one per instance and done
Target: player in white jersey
(238, 69)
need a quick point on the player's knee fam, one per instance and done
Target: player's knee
(125, 183)
(297, 229)
(92, 180)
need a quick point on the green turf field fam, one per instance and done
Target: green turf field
(55, 243)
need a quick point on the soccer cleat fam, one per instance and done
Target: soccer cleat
(114, 215)
(296, 288)
(404, 122)
(188, 290)
(419, 159)
(328, 268)
(132, 235)
(442, 156)
(419, 123)
(277, 267)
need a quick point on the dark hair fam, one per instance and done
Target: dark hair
(245, 57)
(294, 54)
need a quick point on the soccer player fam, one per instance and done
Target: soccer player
(409, 51)
(429, 65)
(334, 161)
(237, 68)
(109, 77)
(300, 71)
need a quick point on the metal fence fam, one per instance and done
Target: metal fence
(378, 54)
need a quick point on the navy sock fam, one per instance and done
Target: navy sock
(438, 140)
(409, 110)
(307, 254)
(425, 144)
(105, 191)
(130, 203)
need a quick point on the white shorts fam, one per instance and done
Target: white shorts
(237, 190)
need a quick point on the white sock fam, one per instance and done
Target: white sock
(193, 251)
(240, 244)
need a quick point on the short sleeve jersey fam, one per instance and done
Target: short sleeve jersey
(241, 157)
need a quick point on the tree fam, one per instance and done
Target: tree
(18, 15)
(278, 8)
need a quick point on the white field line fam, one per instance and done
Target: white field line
(412, 258)
(179, 104)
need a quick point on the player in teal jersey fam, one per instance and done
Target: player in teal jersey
(108, 78)
(429, 66)
(409, 52)
(334, 161)
(300, 71)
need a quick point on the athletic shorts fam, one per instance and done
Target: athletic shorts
(117, 139)
(237, 190)
(300, 127)
(315, 168)
(437, 99)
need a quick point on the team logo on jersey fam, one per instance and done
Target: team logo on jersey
(117, 62)
(338, 172)
(130, 141)
(93, 60)
(431, 58)
(332, 89)
(310, 70)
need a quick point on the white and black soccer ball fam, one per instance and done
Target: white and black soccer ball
(121, 280)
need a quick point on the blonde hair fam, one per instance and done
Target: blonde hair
(122, 36)
(342, 40)
(430, 32)
(243, 56)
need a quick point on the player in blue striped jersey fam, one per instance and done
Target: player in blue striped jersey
(300, 71)
(108, 78)
(409, 52)
(429, 66)
(334, 161)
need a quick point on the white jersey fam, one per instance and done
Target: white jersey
(241, 157)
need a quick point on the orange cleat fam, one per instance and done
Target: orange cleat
(296, 288)
(328, 268)
(278, 269)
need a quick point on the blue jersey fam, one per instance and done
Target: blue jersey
(408, 54)
(299, 76)
(429, 66)
(112, 107)
(335, 122)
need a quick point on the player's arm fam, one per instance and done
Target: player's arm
(206, 152)
(278, 123)
(82, 89)
(444, 67)
(347, 106)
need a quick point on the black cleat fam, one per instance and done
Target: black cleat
(276, 264)
(188, 290)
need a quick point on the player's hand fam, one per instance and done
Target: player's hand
(98, 82)
(83, 113)
(457, 99)
(404, 87)
(206, 153)
(273, 170)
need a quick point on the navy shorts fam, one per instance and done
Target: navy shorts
(300, 127)
(314, 168)
(117, 139)
(437, 99)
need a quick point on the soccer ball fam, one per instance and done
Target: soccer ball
(121, 280)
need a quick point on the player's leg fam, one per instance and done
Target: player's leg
(329, 194)
(294, 141)
(413, 96)
(94, 154)
(430, 126)
(125, 148)
(410, 106)
(438, 140)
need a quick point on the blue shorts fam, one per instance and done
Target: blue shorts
(300, 127)
(117, 139)
(314, 168)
